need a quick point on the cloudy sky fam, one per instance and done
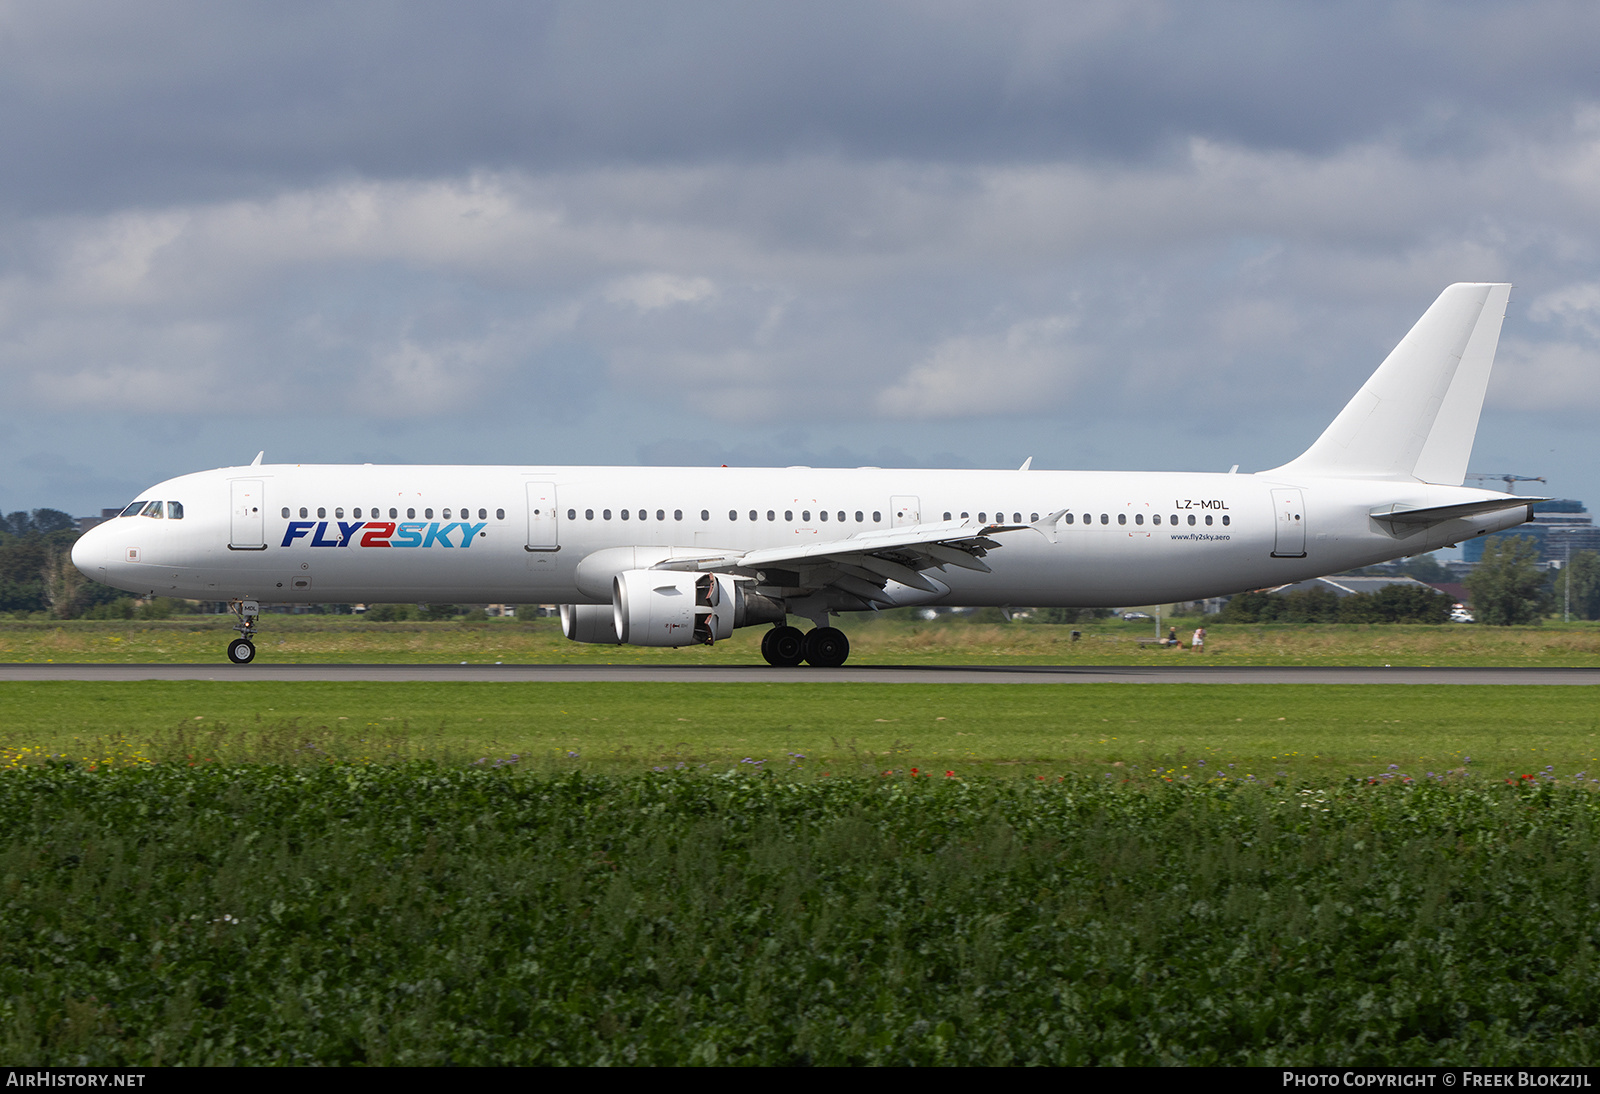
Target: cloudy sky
(1105, 235)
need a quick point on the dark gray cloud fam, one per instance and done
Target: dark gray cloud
(1125, 234)
(102, 105)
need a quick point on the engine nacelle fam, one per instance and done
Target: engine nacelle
(672, 608)
(589, 623)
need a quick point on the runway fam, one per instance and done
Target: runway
(764, 674)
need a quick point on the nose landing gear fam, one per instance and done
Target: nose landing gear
(242, 651)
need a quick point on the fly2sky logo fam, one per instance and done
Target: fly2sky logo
(381, 533)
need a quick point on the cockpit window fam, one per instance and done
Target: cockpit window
(153, 510)
(174, 510)
(133, 509)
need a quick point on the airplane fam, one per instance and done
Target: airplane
(676, 556)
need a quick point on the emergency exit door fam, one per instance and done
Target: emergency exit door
(543, 530)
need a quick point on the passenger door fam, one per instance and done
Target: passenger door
(247, 528)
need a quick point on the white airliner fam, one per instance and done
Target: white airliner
(675, 556)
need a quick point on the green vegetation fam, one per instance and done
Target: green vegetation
(892, 638)
(1394, 604)
(1254, 731)
(1508, 588)
(417, 914)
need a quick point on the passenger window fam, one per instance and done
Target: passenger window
(1067, 517)
(1191, 519)
(605, 514)
(661, 514)
(322, 513)
(788, 515)
(877, 518)
(677, 514)
(1033, 518)
(483, 514)
(153, 510)
(625, 514)
(1224, 519)
(427, 514)
(963, 516)
(771, 515)
(823, 514)
(338, 514)
(445, 515)
(1138, 518)
(705, 514)
(174, 510)
(588, 514)
(1016, 518)
(499, 514)
(643, 515)
(860, 516)
(841, 515)
(393, 513)
(805, 516)
(411, 514)
(1105, 518)
(983, 518)
(1122, 518)
(1208, 519)
(285, 512)
(733, 514)
(946, 516)
(303, 513)
(1155, 518)
(572, 514)
(356, 512)
(1174, 518)
(753, 514)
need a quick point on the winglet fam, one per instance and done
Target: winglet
(1046, 526)
(257, 461)
(1027, 463)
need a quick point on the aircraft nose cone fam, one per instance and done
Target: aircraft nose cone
(87, 553)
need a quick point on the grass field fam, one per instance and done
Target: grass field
(1198, 731)
(416, 914)
(798, 873)
(880, 641)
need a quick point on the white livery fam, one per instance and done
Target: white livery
(674, 556)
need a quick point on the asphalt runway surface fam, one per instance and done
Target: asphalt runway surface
(765, 674)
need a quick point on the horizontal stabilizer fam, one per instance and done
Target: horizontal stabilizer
(1438, 514)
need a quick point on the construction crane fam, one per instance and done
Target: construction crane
(1509, 480)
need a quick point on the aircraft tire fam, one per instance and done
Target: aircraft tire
(783, 647)
(241, 651)
(826, 647)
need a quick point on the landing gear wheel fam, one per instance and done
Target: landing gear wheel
(241, 651)
(783, 647)
(826, 647)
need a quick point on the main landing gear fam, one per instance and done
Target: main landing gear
(242, 651)
(824, 647)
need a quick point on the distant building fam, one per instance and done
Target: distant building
(83, 524)
(1559, 525)
(1348, 586)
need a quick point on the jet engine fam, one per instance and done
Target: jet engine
(671, 608)
(589, 623)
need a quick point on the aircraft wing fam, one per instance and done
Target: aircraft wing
(863, 563)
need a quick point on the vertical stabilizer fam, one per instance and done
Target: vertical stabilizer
(1416, 417)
